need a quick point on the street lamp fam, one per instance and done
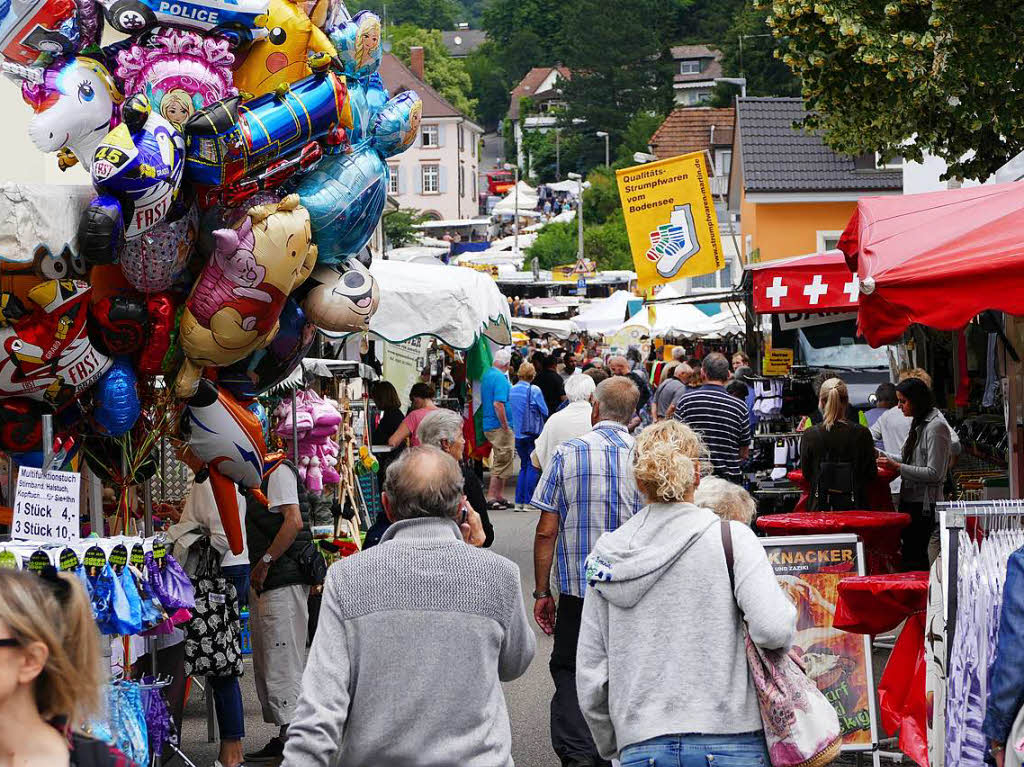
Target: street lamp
(604, 135)
(579, 212)
(515, 215)
(740, 81)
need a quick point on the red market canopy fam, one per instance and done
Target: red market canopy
(820, 282)
(937, 259)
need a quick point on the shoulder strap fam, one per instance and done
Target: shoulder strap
(727, 547)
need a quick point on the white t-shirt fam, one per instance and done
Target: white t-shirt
(568, 423)
(282, 489)
(201, 508)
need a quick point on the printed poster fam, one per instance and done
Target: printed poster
(809, 569)
(670, 219)
(402, 364)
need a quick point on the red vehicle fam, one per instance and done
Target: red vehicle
(499, 182)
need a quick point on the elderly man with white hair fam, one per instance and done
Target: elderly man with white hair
(416, 636)
(494, 390)
(568, 423)
(443, 429)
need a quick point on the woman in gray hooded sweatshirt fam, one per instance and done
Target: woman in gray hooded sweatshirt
(661, 667)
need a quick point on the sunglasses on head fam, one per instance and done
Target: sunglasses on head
(9, 642)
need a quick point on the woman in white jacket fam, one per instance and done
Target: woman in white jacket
(662, 671)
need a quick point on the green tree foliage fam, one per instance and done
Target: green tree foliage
(902, 77)
(429, 14)
(703, 21)
(525, 33)
(604, 229)
(766, 74)
(637, 137)
(490, 85)
(444, 74)
(398, 226)
(548, 161)
(621, 67)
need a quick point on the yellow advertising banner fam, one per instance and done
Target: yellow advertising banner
(777, 362)
(670, 219)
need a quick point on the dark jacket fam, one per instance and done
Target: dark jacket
(845, 442)
(474, 491)
(263, 525)
(551, 386)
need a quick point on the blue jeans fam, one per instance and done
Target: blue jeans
(528, 474)
(227, 694)
(742, 750)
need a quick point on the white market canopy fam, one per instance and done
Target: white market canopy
(670, 320)
(453, 304)
(557, 328)
(568, 185)
(605, 315)
(526, 203)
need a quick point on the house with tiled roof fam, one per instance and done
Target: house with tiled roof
(438, 173)
(463, 41)
(698, 129)
(695, 70)
(539, 90)
(793, 193)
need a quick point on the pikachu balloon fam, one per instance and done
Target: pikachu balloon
(281, 57)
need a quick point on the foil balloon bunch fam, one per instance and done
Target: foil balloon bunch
(237, 155)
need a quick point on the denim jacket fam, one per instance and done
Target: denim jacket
(1006, 678)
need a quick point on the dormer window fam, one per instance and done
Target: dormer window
(689, 67)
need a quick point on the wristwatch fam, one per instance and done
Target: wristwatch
(541, 594)
(267, 559)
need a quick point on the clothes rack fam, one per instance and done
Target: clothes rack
(953, 516)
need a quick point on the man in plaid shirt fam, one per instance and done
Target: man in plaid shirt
(588, 489)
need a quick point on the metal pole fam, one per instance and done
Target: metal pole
(95, 502)
(607, 156)
(515, 246)
(47, 442)
(579, 216)
(558, 155)
(295, 428)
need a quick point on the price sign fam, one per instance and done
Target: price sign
(777, 362)
(46, 505)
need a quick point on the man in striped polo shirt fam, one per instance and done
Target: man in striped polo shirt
(722, 420)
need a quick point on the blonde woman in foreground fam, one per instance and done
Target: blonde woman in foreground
(49, 673)
(661, 665)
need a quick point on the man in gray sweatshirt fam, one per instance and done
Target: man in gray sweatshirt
(415, 637)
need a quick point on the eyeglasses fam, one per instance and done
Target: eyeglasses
(9, 642)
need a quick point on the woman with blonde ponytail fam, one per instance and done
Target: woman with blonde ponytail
(50, 673)
(661, 652)
(837, 456)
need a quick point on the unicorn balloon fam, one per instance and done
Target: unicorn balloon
(179, 71)
(75, 101)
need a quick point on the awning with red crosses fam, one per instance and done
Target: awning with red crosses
(820, 282)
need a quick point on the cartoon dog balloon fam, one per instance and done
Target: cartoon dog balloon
(342, 301)
(346, 193)
(236, 303)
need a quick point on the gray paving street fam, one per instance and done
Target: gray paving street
(527, 697)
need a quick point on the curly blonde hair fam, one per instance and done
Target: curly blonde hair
(665, 461)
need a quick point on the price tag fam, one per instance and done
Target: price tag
(46, 505)
(777, 362)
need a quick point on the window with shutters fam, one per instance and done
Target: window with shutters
(393, 180)
(462, 138)
(462, 181)
(431, 179)
(430, 135)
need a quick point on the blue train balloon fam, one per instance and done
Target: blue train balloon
(346, 193)
(117, 399)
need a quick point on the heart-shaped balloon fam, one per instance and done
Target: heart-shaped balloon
(155, 260)
(116, 398)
